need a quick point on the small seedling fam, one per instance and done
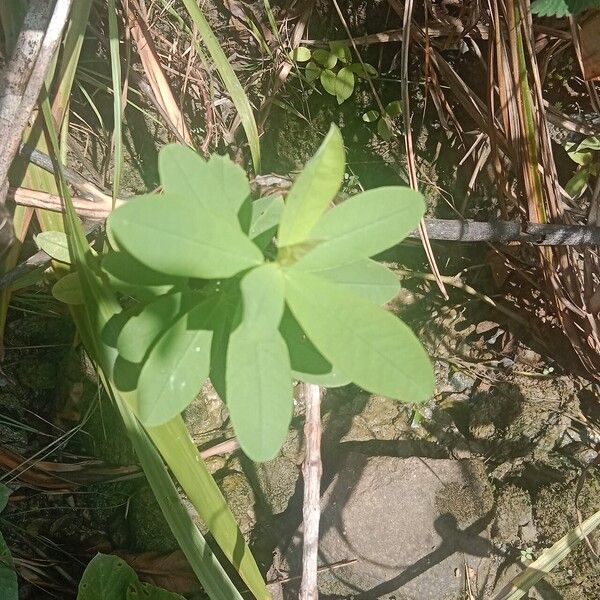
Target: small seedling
(334, 69)
(586, 155)
(526, 554)
(392, 110)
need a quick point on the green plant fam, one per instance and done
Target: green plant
(526, 554)
(8, 577)
(334, 68)
(562, 8)
(585, 154)
(217, 297)
(108, 577)
(392, 110)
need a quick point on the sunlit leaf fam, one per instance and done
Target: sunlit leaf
(393, 109)
(266, 213)
(328, 81)
(307, 363)
(312, 71)
(344, 84)
(68, 289)
(562, 8)
(341, 50)
(368, 344)
(313, 190)
(363, 226)
(300, 54)
(178, 236)
(218, 184)
(258, 378)
(324, 58)
(54, 244)
(366, 278)
(370, 116)
(575, 186)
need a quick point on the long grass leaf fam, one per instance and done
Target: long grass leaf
(230, 79)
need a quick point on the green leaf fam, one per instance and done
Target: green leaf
(575, 186)
(370, 116)
(5, 493)
(328, 79)
(258, 377)
(364, 72)
(393, 109)
(106, 577)
(366, 278)
(266, 214)
(68, 289)
(312, 71)
(581, 157)
(562, 8)
(177, 365)
(363, 226)
(344, 84)
(324, 58)
(179, 236)
(300, 54)
(589, 143)
(129, 276)
(341, 51)
(313, 190)
(218, 184)
(383, 130)
(307, 363)
(146, 591)
(368, 344)
(9, 588)
(54, 244)
(141, 330)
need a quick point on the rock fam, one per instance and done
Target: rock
(410, 524)
(513, 523)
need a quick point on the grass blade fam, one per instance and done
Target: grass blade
(230, 79)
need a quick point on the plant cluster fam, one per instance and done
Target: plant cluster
(334, 68)
(256, 293)
(384, 120)
(586, 155)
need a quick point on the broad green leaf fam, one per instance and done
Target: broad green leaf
(562, 8)
(313, 190)
(370, 116)
(307, 363)
(68, 289)
(54, 244)
(368, 344)
(300, 54)
(9, 588)
(383, 130)
(266, 214)
(393, 109)
(364, 72)
(581, 157)
(258, 376)
(363, 226)
(129, 276)
(146, 591)
(575, 186)
(366, 278)
(341, 50)
(5, 493)
(589, 143)
(218, 184)
(328, 81)
(178, 236)
(312, 71)
(324, 58)
(177, 365)
(141, 330)
(106, 577)
(344, 84)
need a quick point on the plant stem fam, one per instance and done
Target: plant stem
(312, 470)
